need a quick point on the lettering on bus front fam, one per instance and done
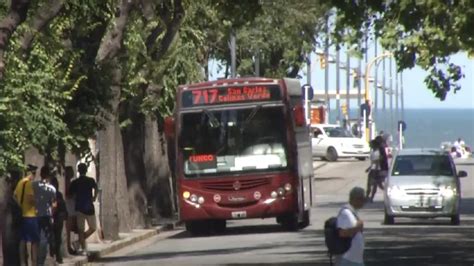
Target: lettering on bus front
(202, 161)
(209, 96)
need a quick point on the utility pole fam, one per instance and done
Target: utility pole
(391, 95)
(232, 54)
(376, 94)
(402, 97)
(397, 94)
(326, 69)
(384, 94)
(308, 66)
(348, 83)
(338, 84)
(257, 62)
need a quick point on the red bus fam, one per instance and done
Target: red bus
(239, 149)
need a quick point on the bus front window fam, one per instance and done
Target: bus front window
(239, 140)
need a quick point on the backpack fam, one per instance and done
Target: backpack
(336, 245)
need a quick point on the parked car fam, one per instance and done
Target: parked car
(422, 184)
(331, 142)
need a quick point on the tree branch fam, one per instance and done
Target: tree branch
(16, 15)
(112, 41)
(172, 26)
(42, 18)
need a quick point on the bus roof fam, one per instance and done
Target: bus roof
(234, 81)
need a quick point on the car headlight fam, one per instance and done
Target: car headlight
(447, 192)
(395, 191)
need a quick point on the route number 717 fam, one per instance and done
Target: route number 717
(204, 96)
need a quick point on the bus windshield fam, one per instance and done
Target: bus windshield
(231, 141)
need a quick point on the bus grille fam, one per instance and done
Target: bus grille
(230, 185)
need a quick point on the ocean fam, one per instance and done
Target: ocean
(426, 128)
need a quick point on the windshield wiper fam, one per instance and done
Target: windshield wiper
(250, 117)
(213, 121)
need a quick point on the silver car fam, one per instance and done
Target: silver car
(422, 183)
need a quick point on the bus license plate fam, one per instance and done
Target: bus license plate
(239, 214)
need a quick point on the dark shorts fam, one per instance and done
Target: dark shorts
(30, 231)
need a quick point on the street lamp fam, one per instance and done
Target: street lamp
(367, 91)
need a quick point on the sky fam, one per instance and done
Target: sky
(417, 96)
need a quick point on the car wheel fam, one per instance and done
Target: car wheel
(455, 220)
(388, 219)
(331, 154)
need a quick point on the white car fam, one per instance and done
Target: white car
(331, 142)
(423, 184)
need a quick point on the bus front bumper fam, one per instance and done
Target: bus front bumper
(263, 208)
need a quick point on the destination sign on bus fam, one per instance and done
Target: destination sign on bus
(232, 94)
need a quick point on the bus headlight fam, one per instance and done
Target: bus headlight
(288, 187)
(274, 194)
(193, 198)
(395, 191)
(186, 194)
(447, 192)
(281, 191)
(200, 200)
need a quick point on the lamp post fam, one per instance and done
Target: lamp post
(368, 67)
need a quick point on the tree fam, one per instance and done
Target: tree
(423, 33)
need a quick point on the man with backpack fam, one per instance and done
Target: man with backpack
(344, 233)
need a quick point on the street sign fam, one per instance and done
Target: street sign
(310, 91)
(402, 124)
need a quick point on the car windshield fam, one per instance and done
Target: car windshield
(250, 139)
(338, 132)
(432, 165)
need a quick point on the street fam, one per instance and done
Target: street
(408, 242)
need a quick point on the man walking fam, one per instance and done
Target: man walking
(351, 226)
(45, 198)
(84, 189)
(24, 196)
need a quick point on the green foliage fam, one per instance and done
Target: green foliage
(423, 33)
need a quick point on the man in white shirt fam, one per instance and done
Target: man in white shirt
(45, 201)
(352, 226)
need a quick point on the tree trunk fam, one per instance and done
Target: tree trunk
(133, 143)
(160, 194)
(114, 202)
(16, 15)
(42, 17)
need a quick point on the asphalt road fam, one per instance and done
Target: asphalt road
(409, 242)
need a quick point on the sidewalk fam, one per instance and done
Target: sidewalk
(98, 250)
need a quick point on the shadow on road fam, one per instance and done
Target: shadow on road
(238, 230)
(322, 179)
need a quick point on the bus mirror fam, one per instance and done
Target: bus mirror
(169, 126)
(298, 113)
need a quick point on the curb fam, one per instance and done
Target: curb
(120, 244)
(319, 166)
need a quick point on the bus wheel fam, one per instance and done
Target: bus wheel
(220, 226)
(331, 154)
(290, 222)
(197, 228)
(306, 219)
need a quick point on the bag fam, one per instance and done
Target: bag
(336, 245)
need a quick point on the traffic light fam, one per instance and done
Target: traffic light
(344, 109)
(322, 61)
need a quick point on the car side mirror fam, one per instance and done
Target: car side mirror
(169, 127)
(462, 174)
